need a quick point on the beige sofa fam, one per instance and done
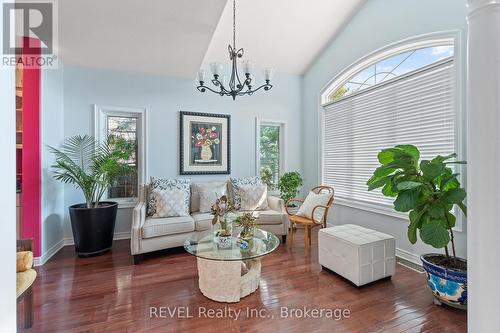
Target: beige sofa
(153, 234)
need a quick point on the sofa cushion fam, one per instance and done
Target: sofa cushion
(156, 227)
(215, 187)
(167, 184)
(202, 221)
(267, 217)
(253, 197)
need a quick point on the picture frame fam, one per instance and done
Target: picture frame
(205, 143)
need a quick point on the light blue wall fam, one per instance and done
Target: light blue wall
(164, 97)
(377, 24)
(52, 127)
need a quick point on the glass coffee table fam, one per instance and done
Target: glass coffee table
(228, 274)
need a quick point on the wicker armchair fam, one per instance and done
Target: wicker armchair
(313, 221)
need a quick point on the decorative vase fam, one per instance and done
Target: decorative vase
(206, 153)
(247, 234)
(449, 286)
(225, 242)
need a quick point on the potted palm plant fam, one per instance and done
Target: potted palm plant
(91, 167)
(429, 190)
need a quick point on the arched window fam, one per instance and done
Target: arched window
(403, 94)
(390, 68)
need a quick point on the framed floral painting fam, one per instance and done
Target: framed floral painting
(205, 140)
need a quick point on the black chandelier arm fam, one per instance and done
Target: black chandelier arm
(267, 86)
(217, 83)
(203, 88)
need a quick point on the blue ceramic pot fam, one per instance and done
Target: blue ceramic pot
(449, 286)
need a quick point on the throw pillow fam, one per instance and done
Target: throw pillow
(237, 182)
(208, 196)
(211, 189)
(253, 197)
(170, 203)
(312, 200)
(168, 184)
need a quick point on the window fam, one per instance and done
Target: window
(405, 97)
(127, 124)
(270, 152)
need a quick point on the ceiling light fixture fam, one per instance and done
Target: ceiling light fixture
(235, 86)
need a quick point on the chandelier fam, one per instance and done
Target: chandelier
(235, 87)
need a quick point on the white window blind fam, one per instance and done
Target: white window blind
(417, 108)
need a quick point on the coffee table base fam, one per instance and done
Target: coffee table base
(222, 281)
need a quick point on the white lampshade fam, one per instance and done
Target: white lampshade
(216, 68)
(268, 73)
(247, 67)
(201, 75)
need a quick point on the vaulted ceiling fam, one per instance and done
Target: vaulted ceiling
(172, 37)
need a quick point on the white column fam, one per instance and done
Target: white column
(483, 175)
(7, 193)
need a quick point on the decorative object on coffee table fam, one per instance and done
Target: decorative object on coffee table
(248, 224)
(429, 191)
(228, 274)
(221, 208)
(204, 143)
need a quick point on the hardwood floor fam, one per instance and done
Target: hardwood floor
(109, 294)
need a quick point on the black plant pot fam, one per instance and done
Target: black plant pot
(93, 228)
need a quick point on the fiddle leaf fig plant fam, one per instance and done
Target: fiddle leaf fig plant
(427, 189)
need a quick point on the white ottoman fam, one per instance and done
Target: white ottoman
(359, 254)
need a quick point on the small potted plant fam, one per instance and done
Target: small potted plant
(220, 209)
(289, 185)
(91, 167)
(429, 190)
(247, 222)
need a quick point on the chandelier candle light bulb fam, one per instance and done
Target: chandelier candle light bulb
(236, 86)
(268, 73)
(201, 75)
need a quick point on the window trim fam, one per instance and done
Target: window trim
(101, 112)
(282, 144)
(451, 37)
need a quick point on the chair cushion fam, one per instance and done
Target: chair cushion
(211, 191)
(312, 200)
(24, 261)
(202, 221)
(156, 227)
(267, 217)
(24, 280)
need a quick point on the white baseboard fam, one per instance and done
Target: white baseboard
(39, 261)
(411, 257)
